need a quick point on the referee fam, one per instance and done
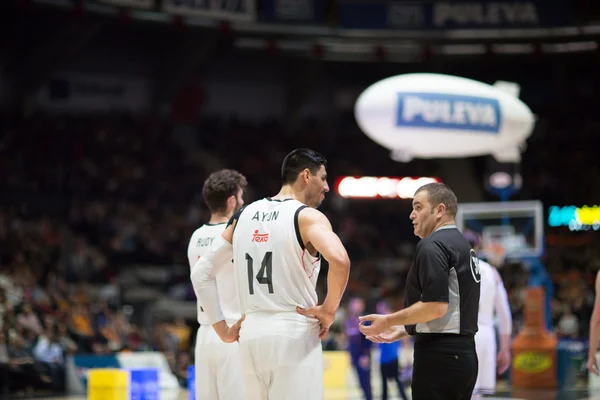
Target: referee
(441, 302)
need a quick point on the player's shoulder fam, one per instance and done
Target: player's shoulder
(485, 264)
(486, 267)
(236, 215)
(310, 211)
(308, 214)
(207, 230)
(199, 231)
(497, 276)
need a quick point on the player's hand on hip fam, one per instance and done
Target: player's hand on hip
(592, 365)
(393, 334)
(325, 317)
(373, 324)
(233, 332)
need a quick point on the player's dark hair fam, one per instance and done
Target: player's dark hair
(297, 161)
(220, 186)
(440, 193)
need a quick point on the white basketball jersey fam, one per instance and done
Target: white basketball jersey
(274, 271)
(200, 242)
(489, 291)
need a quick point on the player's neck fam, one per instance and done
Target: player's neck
(288, 192)
(219, 218)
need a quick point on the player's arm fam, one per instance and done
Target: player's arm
(315, 229)
(204, 281)
(316, 232)
(502, 308)
(595, 331)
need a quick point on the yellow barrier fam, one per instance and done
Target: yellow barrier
(336, 369)
(108, 384)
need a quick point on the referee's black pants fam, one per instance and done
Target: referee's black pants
(445, 367)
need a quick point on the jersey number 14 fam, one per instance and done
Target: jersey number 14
(264, 276)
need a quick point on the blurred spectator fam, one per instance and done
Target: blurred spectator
(67, 344)
(29, 320)
(4, 367)
(568, 325)
(49, 355)
(182, 332)
(358, 346)
(24, 370)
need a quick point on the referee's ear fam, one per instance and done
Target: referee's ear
(441, 210)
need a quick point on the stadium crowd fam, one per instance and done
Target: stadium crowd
(82, 198)
(98, 193)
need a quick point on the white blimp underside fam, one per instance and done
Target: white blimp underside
(456, 117)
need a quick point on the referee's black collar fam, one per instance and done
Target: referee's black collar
(453, 226)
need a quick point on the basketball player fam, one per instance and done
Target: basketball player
(276, 244)
(493, 298)
(441, 301)
(218, 368)
(592, 363)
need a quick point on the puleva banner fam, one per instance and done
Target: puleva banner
(460, 14)
(229, 10)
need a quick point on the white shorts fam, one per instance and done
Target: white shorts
(282, 357)
(485, 345)
(218, 367)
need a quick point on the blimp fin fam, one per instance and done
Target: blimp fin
(401, 155)
(508, 154)
(512, 88)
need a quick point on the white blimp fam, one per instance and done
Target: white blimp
(440, 116)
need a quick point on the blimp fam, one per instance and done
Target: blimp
(424, 115)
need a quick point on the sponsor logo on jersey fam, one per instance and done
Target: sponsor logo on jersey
(260, 237)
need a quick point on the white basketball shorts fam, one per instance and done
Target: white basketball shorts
(485, 345)
(282, 357)
(218, 367)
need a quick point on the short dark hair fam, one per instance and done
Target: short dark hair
(440, 193)
(297, 161)
(220, 186)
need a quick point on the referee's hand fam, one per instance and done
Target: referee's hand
(393, 334)
(373, 324)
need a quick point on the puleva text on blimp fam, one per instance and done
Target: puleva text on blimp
(448, 111)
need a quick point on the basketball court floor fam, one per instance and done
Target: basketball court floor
(353, 394)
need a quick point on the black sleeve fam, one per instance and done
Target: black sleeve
(235, 217)
(434, 269)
